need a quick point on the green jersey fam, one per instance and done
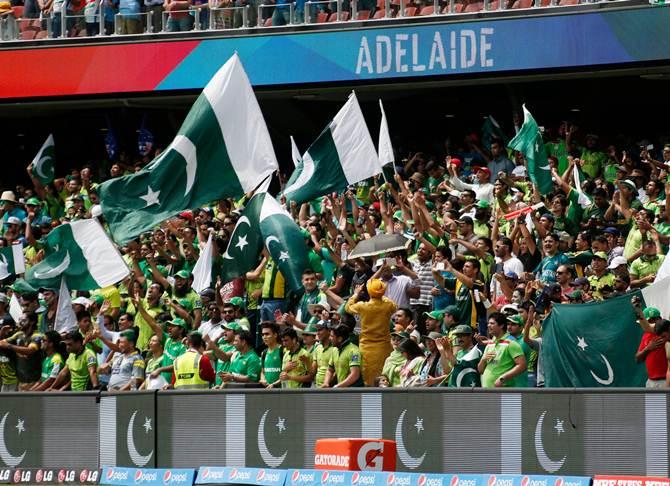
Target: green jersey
(323, 356)
(154, 363)
(303, 360)
(78, 365)
(171, 349)
(190, 302)
(221, 365)
(465, 374)
(392, 366)
(506, 350)
(271, 360)
(248, 364)
(348, 357)
(51, 366)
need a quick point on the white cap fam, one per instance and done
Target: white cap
(617, 262)
(13, 220)
(82, 301)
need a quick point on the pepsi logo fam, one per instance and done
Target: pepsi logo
(83, 475)
(205, 473)
(558, 482)
(261, 475)
(167, 476)
(295, 476)
(17, 476)
(454, 481)
(324, 476)
(492, 480)
(233, 473)
(525, 480)
(390, 479)
(355, 477)
(110, 473)
(138, 475)
(39, 475)
(422, 480)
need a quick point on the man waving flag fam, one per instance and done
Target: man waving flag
(223, 149)
(529, 142)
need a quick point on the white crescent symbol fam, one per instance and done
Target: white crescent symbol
(138, 459)
(38, 166)
(270, 239)
(243, 219)
(461, 375)
(305, 175)
(4, 266)
(7, 458)
(545, 167)
(186, 149)
(407, 460)
(270, 460)
(610, 373)
(55, 271)
(548, 465)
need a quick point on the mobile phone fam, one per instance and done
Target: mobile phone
(650, 147)
(390, 261)
(440, 266)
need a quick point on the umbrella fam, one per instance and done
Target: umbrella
(379, 244)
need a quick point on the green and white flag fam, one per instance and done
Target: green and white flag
(202, 271)
(295, 154)
(384, 146)
(43, 165)
(66, 320)
(490, 131)
(265, 223)
(222, 149)
(12, 261)
(529, 142)
(592, 345)
(82, 253)
(342, 155)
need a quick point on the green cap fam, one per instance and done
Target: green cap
(98, 299)
(437, 315)
(130, 335)
(310, 329)
(575, 294)
(401, 334)
(236, 301)
(233, 326)
(179, 322)
(516, 319)
(183, 274)
(651, 313)
(482, 203)
(452, 310)
(462, 329)
(398, 215)
(600, 254)
(33, 201)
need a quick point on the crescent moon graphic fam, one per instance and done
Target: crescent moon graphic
(545, 167)
(610, 373)
(270, 239)
(186, 149)
(243, 219)
(405, 457)
(137, 458)
(38, 166)
(11, 461)
(266, 455)
(548, 465)
(305, 175)
(55, 271)
(461, 375)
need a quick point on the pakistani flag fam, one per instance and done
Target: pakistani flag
(342, 155)
(223, 149)
(529, 142)
(12, 261)
(202, 272)
(265, 223)
(592, 345)
(66, 320)
(83, 254)
(295, 154)
(43, 163)
(490, 131)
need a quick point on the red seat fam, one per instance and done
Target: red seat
(344, 16)
(37, 24)
(321, 18)
(381, 4)
(18, 11)
(474, 7)
(268, 22)
(42, 34)
(379, 14)
(26, 24)
(410, 11)
(545, 3)
(27, 35)
(429, 10)
(563, 3)
(523, 4)
(458, 8)
(493, 5)
(363, 15)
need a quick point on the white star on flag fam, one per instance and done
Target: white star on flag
(581, 343)
(559, 427)
(283, 256)
(419, 425)
(242, 242)
(147, 424)
(151, 197)
(280, 424)
(19, 426)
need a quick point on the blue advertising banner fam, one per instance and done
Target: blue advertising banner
(241, 475)
(127, 476)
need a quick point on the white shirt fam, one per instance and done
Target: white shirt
(484, 192)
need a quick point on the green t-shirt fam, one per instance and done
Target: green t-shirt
(303, 359)
(171, 349)
(645, 266)
(78, 366)
(593, 162)
(349, 356)
(521, 381)
(506, 351)
(272, 364)
(464, 373)
(464, 296)
(51, 366)
(189, 302)
(548, 266)
(323, 357)
(221, 365)
(155, 363)
(248, 364)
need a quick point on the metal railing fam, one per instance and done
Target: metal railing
(172, 22)
(308, 9)
(262, 8)
(219, 15)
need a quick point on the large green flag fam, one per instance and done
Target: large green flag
(592, 345)
(223, 149)
(81, 252)
(12, 261)
(42, 165)
(343, 154)
(529, 142)
(492, 130)
(265, 223)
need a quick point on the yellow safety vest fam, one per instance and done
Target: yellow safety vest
(187, 372)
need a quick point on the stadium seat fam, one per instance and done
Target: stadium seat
(564, 3)
(27, 34)
(379, 14)
(42, 34)
(268, 22)
(82, 33)
(474, 7)
(321, 18)
(458, 8)
(429, 10)
(18, 11)
(363, 15)
(381, 4)
(545, 3)
(522, 4)
(410, 11)
(26, 24)
(493, 5)
(344, 16)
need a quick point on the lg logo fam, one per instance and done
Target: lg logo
(370, 456)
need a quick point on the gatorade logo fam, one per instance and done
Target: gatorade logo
(261, 475)
(370, 456)
(525, 480)
(454, 481)
(354, 478)
(233, 473)
(324, 477)
(295, 476)
(422, 480)
(167, 476)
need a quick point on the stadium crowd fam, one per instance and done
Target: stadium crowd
(486, 257)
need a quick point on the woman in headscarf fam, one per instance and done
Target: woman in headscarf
(375, 338)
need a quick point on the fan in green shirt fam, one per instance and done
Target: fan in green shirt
(245, 365)
(503, 358)
(80, 371)
(346, 367)
(271, 358)
(296, 362)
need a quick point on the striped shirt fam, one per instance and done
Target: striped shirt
(425, 281)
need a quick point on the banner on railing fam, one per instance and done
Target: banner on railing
(629, 481)
(241, 475)
(75, 476)
(127, 476)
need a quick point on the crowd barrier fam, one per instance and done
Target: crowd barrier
(559, 432)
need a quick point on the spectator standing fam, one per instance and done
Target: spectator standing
(127, 366)
(346, 368)
(193, 370)
(26, 343)
(296, 362)
(245, 365)
(271, 358)
(81, 366)
(503, 359)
